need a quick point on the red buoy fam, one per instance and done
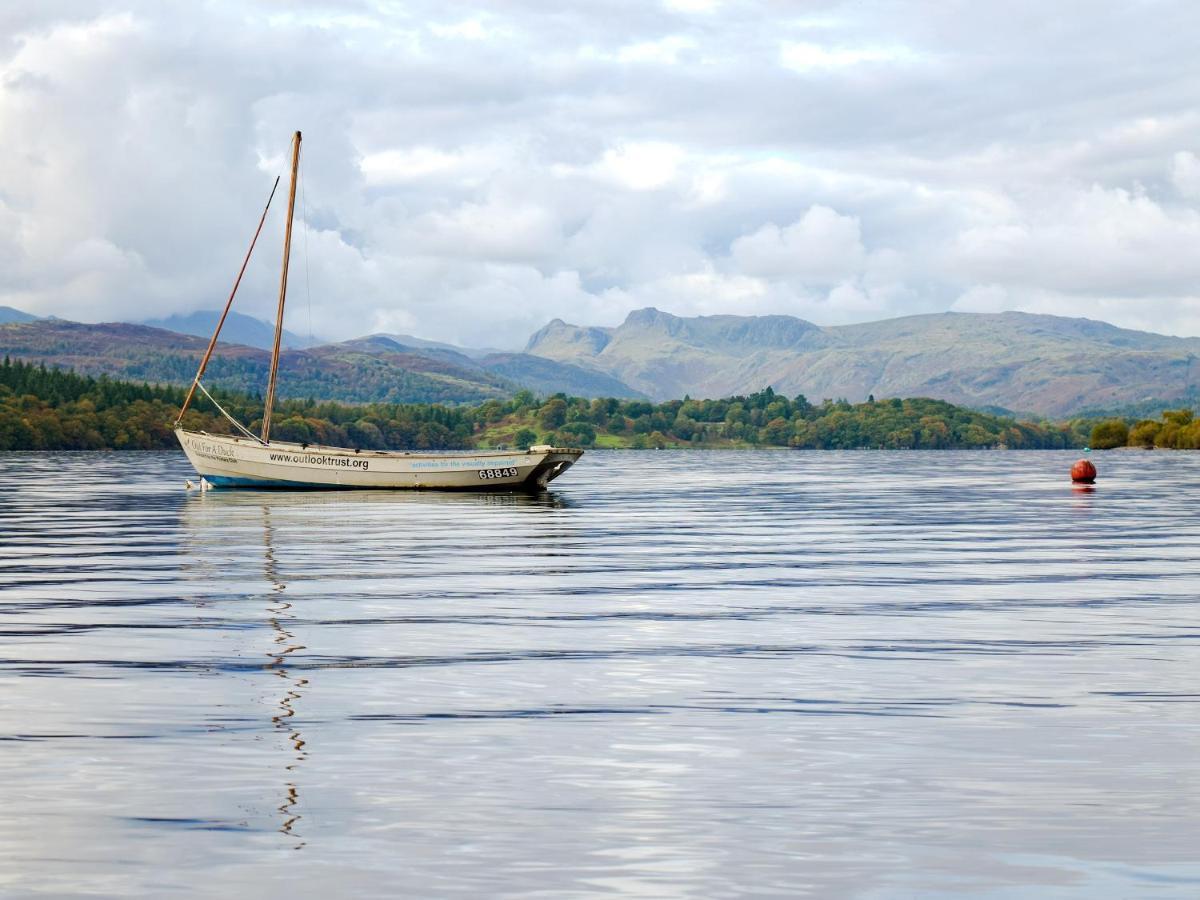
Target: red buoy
(1083, 472)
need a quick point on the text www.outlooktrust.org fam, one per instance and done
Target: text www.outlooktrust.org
(308, 459)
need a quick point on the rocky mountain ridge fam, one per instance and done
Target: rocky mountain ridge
(1047, 365)
(1030, 364)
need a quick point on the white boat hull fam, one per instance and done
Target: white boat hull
(226, 461)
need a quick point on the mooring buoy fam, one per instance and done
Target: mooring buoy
(1083, 472)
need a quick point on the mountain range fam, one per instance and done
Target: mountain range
(376, 368)
(1046, 365)
(238, 329)
(1032, 364)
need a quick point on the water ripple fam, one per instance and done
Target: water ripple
(679, 674)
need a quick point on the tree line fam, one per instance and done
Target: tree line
(1176, 429)
(768, 419)
(49, 409)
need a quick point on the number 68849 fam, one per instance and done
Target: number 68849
(488, 474)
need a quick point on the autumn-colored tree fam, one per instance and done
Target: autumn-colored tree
(1109, 434)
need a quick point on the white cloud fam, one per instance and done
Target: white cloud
(802, 56)
(498, 230)
(692, 6)
(851, 301)
(663, 51)
(453, 293)
(1096, 242)
(821, 246)
(467, 29)
(470, 173)
(984, 298)
(466, 165)
(1185, 174)
(641, 166)
(707, 291)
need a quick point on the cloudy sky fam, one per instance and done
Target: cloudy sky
(474, 170)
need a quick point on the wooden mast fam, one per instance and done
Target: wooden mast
(287, 252)
(212, 343)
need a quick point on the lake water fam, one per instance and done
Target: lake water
(678, 675)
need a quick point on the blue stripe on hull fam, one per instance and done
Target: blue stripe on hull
(230, 481)
(271, 484)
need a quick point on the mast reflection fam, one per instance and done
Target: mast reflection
(232, 539)
(279, 612)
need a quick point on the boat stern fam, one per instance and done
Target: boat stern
(556, 461)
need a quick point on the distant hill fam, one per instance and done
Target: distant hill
(1147, 409)
(238, 329)
(383, 343)
(538, 374)
(9, 315)
(332, 372)
(409, 340)
(548, 376)
(371, 369)
(1047, 365)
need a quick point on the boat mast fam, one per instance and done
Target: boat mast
(287, 252)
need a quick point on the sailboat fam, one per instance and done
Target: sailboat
(245, 459)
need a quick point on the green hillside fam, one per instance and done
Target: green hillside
(348, 372)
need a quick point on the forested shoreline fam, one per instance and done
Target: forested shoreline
(49, 409)
(1175, 429)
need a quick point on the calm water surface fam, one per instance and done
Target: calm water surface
(677, 675)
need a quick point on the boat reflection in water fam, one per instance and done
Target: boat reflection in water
(284, 644)
(293, 566)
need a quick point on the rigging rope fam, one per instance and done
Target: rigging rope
(304, 216)
(236, 424)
